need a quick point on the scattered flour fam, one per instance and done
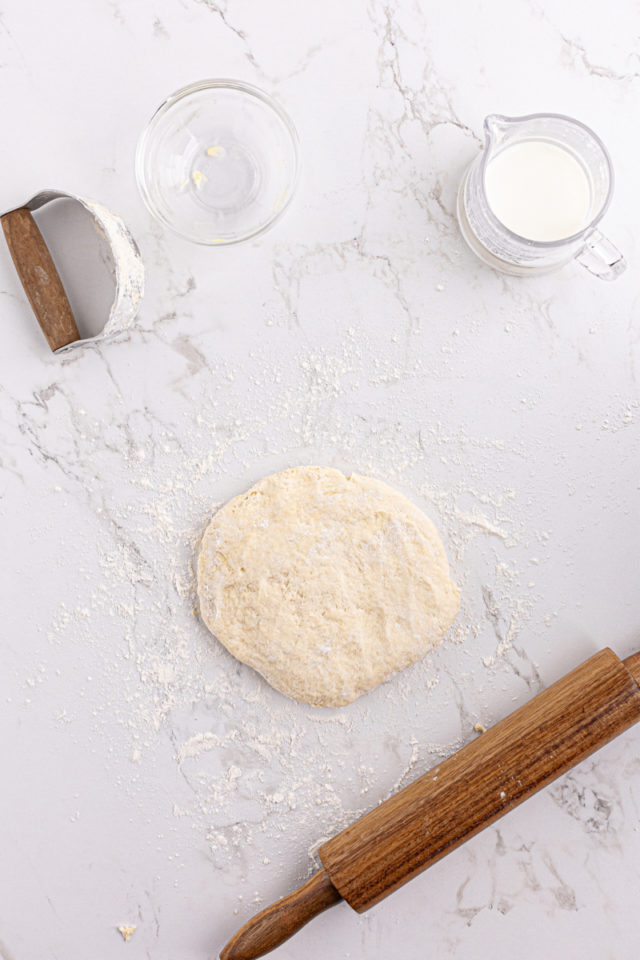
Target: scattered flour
(255, 770)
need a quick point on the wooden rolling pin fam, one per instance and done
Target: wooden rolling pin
(459, 797)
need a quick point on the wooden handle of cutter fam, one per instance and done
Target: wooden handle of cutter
(483, 781)
(39, 277)
(281, 920)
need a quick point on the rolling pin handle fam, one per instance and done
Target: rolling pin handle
(276, 923)
(632, 664)
(39, 277)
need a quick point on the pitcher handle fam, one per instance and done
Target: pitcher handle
(601, 258)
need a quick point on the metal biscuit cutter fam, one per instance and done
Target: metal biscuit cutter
(41, 281)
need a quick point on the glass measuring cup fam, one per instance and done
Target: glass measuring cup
(507, 251)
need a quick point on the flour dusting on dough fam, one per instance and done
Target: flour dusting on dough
(325, 584)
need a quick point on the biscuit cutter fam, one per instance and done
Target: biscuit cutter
(41, 280)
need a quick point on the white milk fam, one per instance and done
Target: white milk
(538, 190)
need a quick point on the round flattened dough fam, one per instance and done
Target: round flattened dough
(325, 584)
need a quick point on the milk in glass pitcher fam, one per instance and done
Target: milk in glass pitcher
(533, 199)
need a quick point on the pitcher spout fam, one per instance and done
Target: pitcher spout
(496, 127)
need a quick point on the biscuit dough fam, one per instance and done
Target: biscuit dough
(325, 584)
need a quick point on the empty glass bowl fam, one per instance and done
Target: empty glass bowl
(218, 162)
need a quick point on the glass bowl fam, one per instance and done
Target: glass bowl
(218, 162)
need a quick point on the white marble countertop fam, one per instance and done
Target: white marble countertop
(147, 778)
